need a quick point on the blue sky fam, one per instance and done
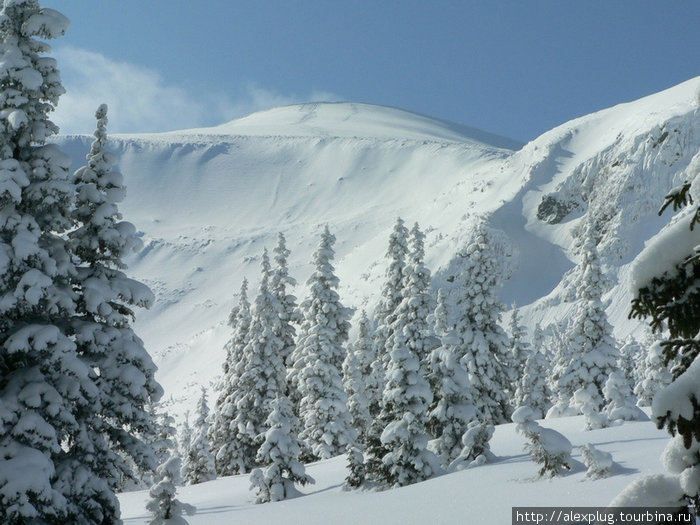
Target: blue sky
(517, 68)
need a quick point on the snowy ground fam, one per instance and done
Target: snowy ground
(482, 495)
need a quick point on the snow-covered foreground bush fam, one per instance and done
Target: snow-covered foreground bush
(485, 493)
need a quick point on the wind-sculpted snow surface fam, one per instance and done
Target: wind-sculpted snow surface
(208, 201)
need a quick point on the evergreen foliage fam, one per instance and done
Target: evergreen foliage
(318, 360)
(452, 408)
(163, 505)
(385, 315)
(672, 301)
(591, 352)
(546, 446)
(532, 389)
(198, 466)
(487, 353)
(263, 377)
(359, 380)
(74, 379)
(620, 403)
(280, 452)
(227, 453)
(475, 446)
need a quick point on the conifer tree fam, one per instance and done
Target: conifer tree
(279, 284)
(318, 359)
(407, 396)
(520, 350)
(671, 300)
(198, 466)
(358, 379)
(58, 458)
(654, 375)
(546, 446)
(487, 352)
(264, 376)
(279, 452)
(532, 389)
(385, 315)
(392, 292)
(620, 403)
(165, 508)
(592, 352)
(452, 408)
(124, 372)
(225, 447)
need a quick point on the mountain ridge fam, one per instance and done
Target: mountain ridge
(207, 204)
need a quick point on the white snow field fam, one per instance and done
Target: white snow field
(478, 496)
(208, 201)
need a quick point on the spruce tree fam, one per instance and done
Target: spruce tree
(487, 352)
(407, 395)
(264, 375)
(58, 444)
(452, 408)
(106, 297)
(279, 453)
(520, 350)
(592, 352)
(671, 300)
(318, 359)
(279, 284)
(532, 389)
(163, 505)
(222, 435)
(385, 315)
(198, 466)
(392, 292)
(358, 378)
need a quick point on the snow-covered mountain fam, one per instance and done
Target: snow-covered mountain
(209, 200)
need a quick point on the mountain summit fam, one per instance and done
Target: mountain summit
(352, 120)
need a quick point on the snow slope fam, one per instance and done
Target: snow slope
(208, 200)
(478, 496)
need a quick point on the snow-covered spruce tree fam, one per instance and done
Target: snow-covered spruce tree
(555, 345)
(654, 375)
(592, 352)
(44, 387)
(392, 292)
(384, 316)
(586, 401)
(263, 377)
(163, 505)
(519, 348)
(318, 360)
(532, 389)
(106, 297)
(630, 355)
(56, 461)
(599, 463)
(280, 282)
(358, 378)
(279, 453)
(222, 434)
(546, 446)
(185, 436)
(452, 408)
(407, 394)
(478, 311)
(620, 403)
(669, 294)
(475, 446)
(198, 465)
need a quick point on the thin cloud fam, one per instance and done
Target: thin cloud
(140, 100)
